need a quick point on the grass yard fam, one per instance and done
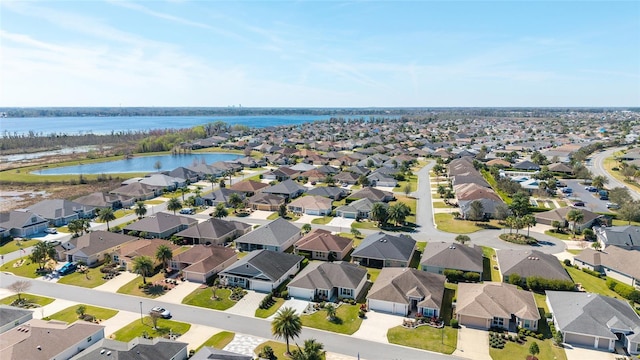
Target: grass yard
(346, 322)
(27, 269)
(441, 205)
(514, 350)
(136, 329)
(153, 202)
(617, 222)
(367, 225)
(561, 235)
(322, 221)
(447, 223)
(15, 245)
(35, 299)
(265, 313)
(609, 163)
(90, 280)
(218, 340)
(69, 314)
(373, 273)
(490, 254)
(132, 288)
(428, 338)
(279, 348)
(541, 301)
(118, 214)
(202, 298)
(273, 216)
(590, 283)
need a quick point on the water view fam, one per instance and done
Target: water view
(140, 164)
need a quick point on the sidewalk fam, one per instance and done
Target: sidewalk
(179, 292)
(244, 344)
(117, 282)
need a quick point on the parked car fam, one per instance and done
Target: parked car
(187, 211)
(567, 190)
(560, 184)
(613, 206)
(68, 268)
(164, 313)
(604, 197)
(591, 188)
(579, 203)
(51, 230)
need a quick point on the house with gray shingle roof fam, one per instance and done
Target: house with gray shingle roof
(221, 196)
(528, 263)
(384, 250)
(328, 281)
(359, 209)
(373, 194)
(161, 225)
(615, 262)
(278, 235)
(288, 189)
(21, 223)
(11, 317)
(404, 291)
(59, 211)
(594, 321)
(626, 237)
(214, 231)
(331, 192)
(91, 247)
(261, 270)
(104, 200)
(560, 214)
(209, 353)
(439, 256)
(138, 349)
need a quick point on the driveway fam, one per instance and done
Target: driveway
(122, 319)
(54, 307)
(259, 214)
(117, 282)
(576, 353)
(341, 222)
(306, 219)
(299, 306)
(248, 305)
(375, 326)
(244, 344)
(473, 344)
(197, 335)
(179, 292)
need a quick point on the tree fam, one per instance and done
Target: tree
(331, 311)
(619, 195)
(476, 211)
(502, 211)
(355, 232)
(174, 205)
(557, 225)
(462, 239)
(286, 325)
(599, 181)
(164, 255)
(534, 349)
(212, 179)
(81, 310)
(282, 211)
(76, 226)
(154, 318)
(398, 212)
(363, 180)
(313, 350)
(630, 211)
(41, 253)
(441, 190)
(575, 216)
(520, 204)
(558, 338)
(235, 201)
(528, 221)
(407, 189)
(596, 245)
(143, 266)
(306, 228)
(19, 287)
(106, 215)
(183, 190)
(140, 209)
(220, 211)
(379, 213)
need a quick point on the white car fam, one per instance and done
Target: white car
(164, 313)
(51, 230)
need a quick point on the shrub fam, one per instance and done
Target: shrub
(284, 294)
(454, 323)
(626, 291)
(567, 262)
(536, 283)
(471, 276)
(453, 276)
(593, 273)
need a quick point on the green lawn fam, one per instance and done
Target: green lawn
(15, 245)
(202, 298)
(136, 329)
(218, 340)
(118, 214)
(590, 283)
(446, 222)
(441, 205)
(373, 273)
(368, 225)
(541, 301)
(35, 299)
(442, 340)
(153, 202)
(514, 350)
(489, 253)
(27, 269)
(279, 348)
(132, 288)
(575, 251)
(346, 322)
(617, 222)
(273, 216)
(90, 280)
(265, 313)
(322, 221)
(560, 235)
(69, 314)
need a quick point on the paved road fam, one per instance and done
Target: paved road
(597, 168)
(591, 201)
(333, 342)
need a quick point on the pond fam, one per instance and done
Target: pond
(139, 164)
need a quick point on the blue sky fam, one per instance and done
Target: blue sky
(319, 53)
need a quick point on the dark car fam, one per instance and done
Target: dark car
(579, 203)
(604, 197)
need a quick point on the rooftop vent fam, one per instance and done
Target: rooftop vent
(39, 347)
(101, 351)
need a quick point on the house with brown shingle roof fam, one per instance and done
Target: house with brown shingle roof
(214, 231)
(249, 187)
(91, 247)
(496, 304)
(203, 261)
(615, 262)
(560, 214)
(526, 263)
(311, 205)
(126, 253)
(439, 256)
(266, 202)
(373, 194)
(321, 243)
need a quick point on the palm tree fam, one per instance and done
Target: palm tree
(81, 310)
(575, 216)
(235, 201)
(286, 325)
(143, 266)
(106, 215)
(306, 228)
(174, 205)
(599, 181)
(164, 255)
(197, 192)
(212, 179)
(220, 211)
(379, 213)
(529, 221)
(331, 311)
(184, 190)
(140, 209)
(313, 350)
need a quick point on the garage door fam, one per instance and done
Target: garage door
(299, 293)
(579, 340)
(472, 321)
(603, 344)
(388, 307)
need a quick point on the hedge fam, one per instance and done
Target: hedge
(455, 276)
(626, 291)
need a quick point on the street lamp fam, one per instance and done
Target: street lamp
(142, 322)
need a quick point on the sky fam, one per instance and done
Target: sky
(319, 53)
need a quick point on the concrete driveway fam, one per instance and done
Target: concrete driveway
(306, 219)
(576, 353)
(375, 326)
(117, 282)
(248, 304)
(341, 222)
(473, 344)
(179, 292)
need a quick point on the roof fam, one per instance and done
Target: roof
(398, 284)
(312, 202)
(453, 256)
(362, 205)
(161, 222)
(285, 187)
(328, 191)
(531, 263)
(204, 258)
(560, 167)
(138, 349)
(382, 246)
(593, 314)
(491, 299)
(222, 195)
(323, 240)
(144, 247)
(625, 236)
(275, 233)
(96, 241)
(135, 190)
(560, 214)
(17, 219)
(100, 199)
(624, 261)
(526, 165)
(44, 339)
(9, 314)
(264, 264)
(372, 194)
(473, 191)
(209, 353)
(213, 228)
(162, 180)
(248, 186)
(58, 208)
(329, 275)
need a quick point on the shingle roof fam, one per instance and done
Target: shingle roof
(328, 191)
(202, 258)
(274, 233)
(495, 299)
(97, 241)
(160, 222)
(213, 229)
(312, 202)
(397, 284)
(58, 208)
(615, 258)
(323, 240)
(560, 214)
(531, 263)
(625, 236)
(140, 349)
(248, 186)
(382, 246)
(452, 256)
(372, 194)
(330, 275)
(267, 264)
(17, 219)
(285, 187)
(209, 353)
(9, 314)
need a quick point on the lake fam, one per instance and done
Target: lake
(139, 164)
(104, 125)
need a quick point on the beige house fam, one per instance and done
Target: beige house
(201, 262)
(311, 205)
(90, 248)
(320, 244)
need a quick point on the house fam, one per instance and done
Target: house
(289, 189)
(209, 353)
(11, 317)
(527, 263)
(44, 340)
(560, 168)
(91, 247)
(373, 194)
(161, 225)
(139, 349)
(261, 270)
(346, 177)
(189, 175)
(221, 196)
(466, 194)
(407, 291)
(526, 165)
(21, 223)
(137, 191)
(323, 245)
(165, 182)
(311, 205)
(331, 192)
(214, 231)
(201, 262)
(266, 202)
(59, 211)
(359, 209)
(493, 304)
(439, 256)
(380, 179)
(280, 174)
(594, 321)
(560, 215)
(626, 237)
(126, 253)
(384, 250)
(328, 282)
(105, 200)
(615, 262)
(278, 235)
(248, 187)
